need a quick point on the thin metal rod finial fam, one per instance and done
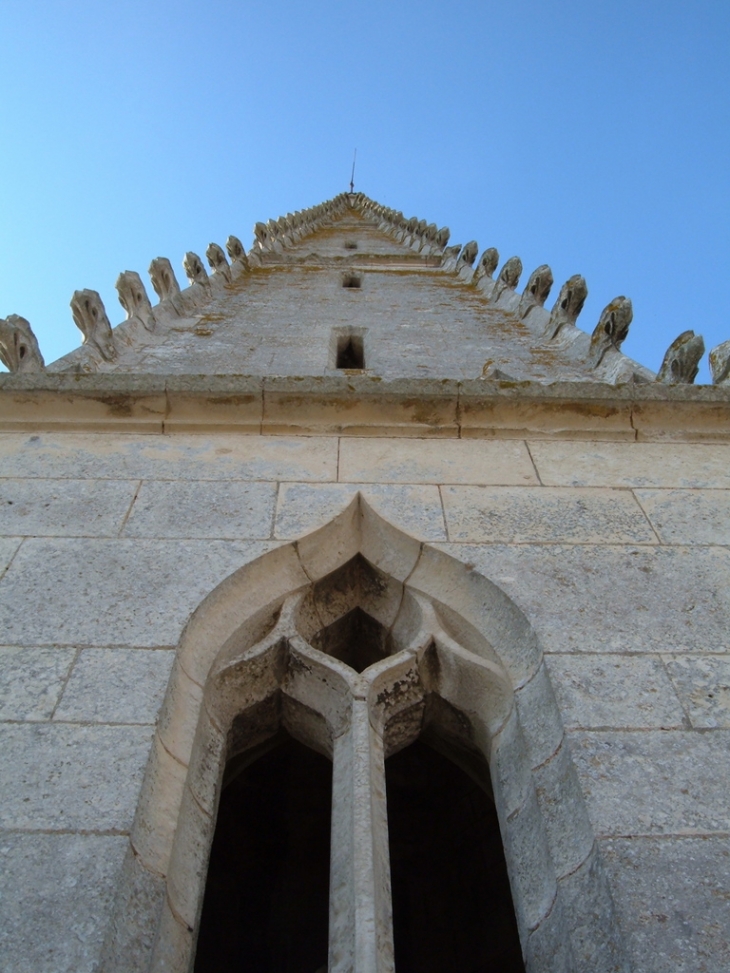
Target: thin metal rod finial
(352, 177)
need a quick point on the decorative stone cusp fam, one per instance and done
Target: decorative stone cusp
(133, 298)
(217, 261)
(611, 330)
(468, 255)
(569, 304)
(163, 279)
(509, 278)
(194, 269)
(487, 264)
(537, 290)
(720, 364)
(19, 349)
(682, 360)
(90, 318)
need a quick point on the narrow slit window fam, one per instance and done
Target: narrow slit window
(350, 352)
(350, 244)
(352, 281)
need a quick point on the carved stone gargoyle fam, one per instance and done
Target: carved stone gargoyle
(133, 298)
(568, 306)
(682, 360)
(163, 279)
(537, 290)
(194, 269)
(19, 349)
(720, 364)
(487, 264)
(509, 278)
(217, 261)
(611, 330)
(90, 318)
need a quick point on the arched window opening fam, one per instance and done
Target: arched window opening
(452, 906)
(266, 900)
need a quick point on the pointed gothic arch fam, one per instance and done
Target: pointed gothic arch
(453, 652)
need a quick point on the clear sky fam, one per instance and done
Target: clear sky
(592, 136)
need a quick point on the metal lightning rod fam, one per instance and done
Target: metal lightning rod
(352, 177)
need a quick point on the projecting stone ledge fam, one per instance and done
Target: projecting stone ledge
(362, 405)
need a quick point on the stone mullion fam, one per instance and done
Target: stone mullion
(361, 925)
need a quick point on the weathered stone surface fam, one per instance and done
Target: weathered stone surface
(302, 507)
(654, 782)
(59, 777)
(90, 318)
(221, 509)
(592, 598)
(116, 686)
(632, 464)
(86, 508)
(179, 457)
(688, 516)
(672, 901)
(138, 591)
(524, 515)
(703, 686)
(8, 549)
(31, 681)
(56, 893)
(424, 461)
(631, 691)
(19, 350)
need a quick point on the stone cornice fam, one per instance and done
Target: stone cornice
(362, 405)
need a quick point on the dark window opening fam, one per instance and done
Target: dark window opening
(350, 245)
(266, 905)
(351, 280)
(350, 351)
(452, 906)
(355, 639)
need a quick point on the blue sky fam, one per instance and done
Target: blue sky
(592, 136)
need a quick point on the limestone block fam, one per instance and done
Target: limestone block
(621, 691)
(58, 777)
(509, 767)
(688, 516)
(31, 681)
(655, 781)
(539, 716)
(57, 893)
(174, 945)
(131, 933)
(302, 507)
(544, 514)
(595, 937)
(178, 717)
(671, 898)
(89, 585)
(422, 461)
(156, 814)
(116, 686)
(632, 464)
(564, 812)
(19, 350)
(386, 548)
(593, 598)
(548, 947)
(225, 456)
(54, 508)
(202, 509)
(189, 859)
(703, 686)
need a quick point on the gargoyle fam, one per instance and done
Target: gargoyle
(720, 364)
(90, 318)
(163, 279)
(682, 360)
(537, 290)
(611, 330)
(19, 349)
(194, 269)
(217, 261)
(568, 306)
(133, 298)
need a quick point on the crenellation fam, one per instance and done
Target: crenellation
(89, 314)
(568, 306)
(194, 269)
(720, 363)
(217, 261)
(163, 279)
(682, 359)
(611, 330)
(508, 280)
(537, 290)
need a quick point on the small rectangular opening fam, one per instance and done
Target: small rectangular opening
(350, 244)
(351, 280)
(350, 351)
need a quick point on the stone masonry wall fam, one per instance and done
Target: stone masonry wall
(617, 552)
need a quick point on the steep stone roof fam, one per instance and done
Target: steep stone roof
(350, 272)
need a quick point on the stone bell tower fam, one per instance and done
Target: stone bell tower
(362, 612)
